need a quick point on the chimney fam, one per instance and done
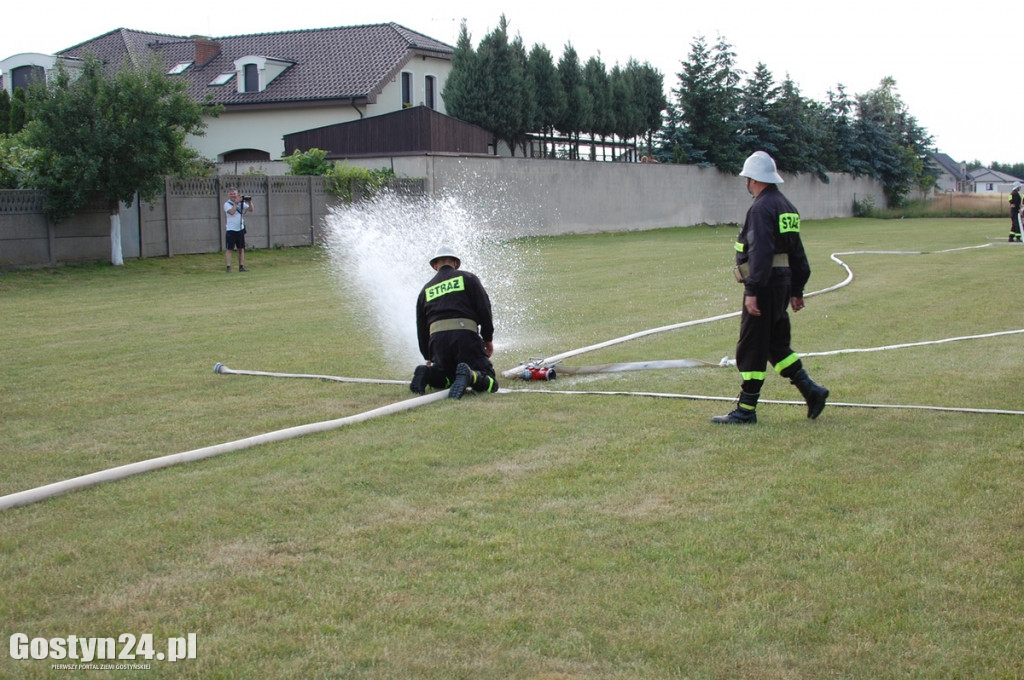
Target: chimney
(206, 49)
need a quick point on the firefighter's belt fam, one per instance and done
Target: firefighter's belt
(741, 272)
(453, 325)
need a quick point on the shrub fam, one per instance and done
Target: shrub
(864, 207)
(310, 162)
(17, 163)
(350, 181)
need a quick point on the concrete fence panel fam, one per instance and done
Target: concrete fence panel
(540, 197)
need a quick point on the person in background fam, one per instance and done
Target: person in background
(455, 330)
(234, 231)
(773, 268)
(1015, 211)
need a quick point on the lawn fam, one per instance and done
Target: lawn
(580, 528)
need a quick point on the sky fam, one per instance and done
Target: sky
(955, 70)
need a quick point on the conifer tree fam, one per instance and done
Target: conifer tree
(602, 120)
(19, 114)
(800, 148)
(759, 129)
(708, 99)
(550, 97)
(463, 90)
(649, 91)
(628, 121)
(5, 112)
(505, 97)
(579, 105)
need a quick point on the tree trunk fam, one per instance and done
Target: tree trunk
(116, 257)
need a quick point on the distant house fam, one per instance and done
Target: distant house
(274, 84)
(952, 175)
(955, 177)
(988, 181)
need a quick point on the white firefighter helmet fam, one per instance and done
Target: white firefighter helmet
(760, 167)
(446, 251)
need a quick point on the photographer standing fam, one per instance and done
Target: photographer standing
(234, 237)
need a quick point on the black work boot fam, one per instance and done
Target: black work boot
(418, 382)
(744, 413)
(814, 394)
(464, 377)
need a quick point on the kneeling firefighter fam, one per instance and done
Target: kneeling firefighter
(455, 330)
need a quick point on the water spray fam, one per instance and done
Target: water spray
(379, 251)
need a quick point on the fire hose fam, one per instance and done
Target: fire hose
(543, 369)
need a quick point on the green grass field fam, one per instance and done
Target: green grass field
(525, 534)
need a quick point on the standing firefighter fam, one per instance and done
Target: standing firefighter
(1015, 213)
(455, 330)
(772, 266)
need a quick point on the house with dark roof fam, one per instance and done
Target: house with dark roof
(988, 181)
(952, 176)
(955, 177)
(273, 84)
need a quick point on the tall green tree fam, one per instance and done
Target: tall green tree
(672, 143)
(527, 103)
(800, 147)
(760, 130)
(464, 88)
(579, 104)
(841, 146)
(506, 98)
(628, 121)
(708, 100)
(649, 90)
(19, 111)
(550, 97)
(602, 117)
(111, 137)
(1015, 169)
(892, 144)
(5, 112)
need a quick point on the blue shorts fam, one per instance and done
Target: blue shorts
(234, 239)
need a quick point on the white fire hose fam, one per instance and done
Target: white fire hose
(120, 472)
(84, 481)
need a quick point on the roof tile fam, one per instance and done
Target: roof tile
(327, 63)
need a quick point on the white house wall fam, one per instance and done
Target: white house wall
(264, 129)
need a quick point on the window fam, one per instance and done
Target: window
(223, 79)
(23, 76)
(428, 91)
(180, 68)
(256, 73)
(252, 78)
(406, 90)
(245, 155)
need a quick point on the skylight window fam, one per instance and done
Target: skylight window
(223, 78)
(180, 68)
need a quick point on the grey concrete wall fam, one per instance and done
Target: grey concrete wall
(539, 197)
(28, 237)
(558, 197)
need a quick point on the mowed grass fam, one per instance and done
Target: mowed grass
(526, 534)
